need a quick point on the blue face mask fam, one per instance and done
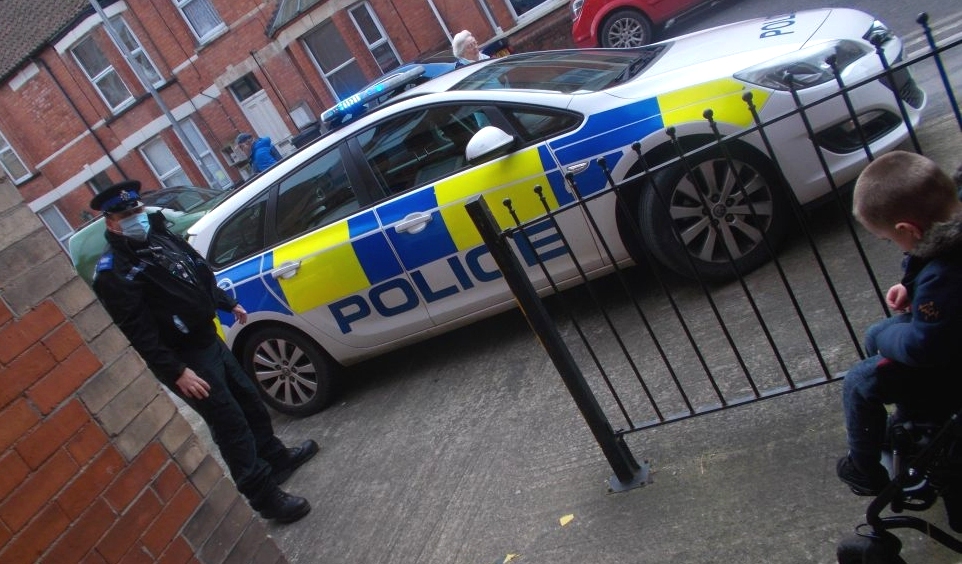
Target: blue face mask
(136, 226)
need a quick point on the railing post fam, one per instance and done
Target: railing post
(628, 473)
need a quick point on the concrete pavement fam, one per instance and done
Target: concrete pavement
(469, 450)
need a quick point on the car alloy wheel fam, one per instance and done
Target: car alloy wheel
(715, 213)
(625, 28)
(293, 375)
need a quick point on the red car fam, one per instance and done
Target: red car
(624, 23)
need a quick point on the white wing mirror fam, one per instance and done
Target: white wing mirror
(488, 143)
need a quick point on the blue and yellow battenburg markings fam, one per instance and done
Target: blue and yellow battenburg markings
(608, 133)
(247, 287)
(348, 257)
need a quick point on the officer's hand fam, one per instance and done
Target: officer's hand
(192, 385)
(240, 314)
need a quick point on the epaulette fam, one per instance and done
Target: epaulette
(106, 262)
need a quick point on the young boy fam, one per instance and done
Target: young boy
(915, 357)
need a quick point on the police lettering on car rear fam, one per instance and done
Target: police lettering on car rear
(359, 243)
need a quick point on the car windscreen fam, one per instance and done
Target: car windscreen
(585, 70)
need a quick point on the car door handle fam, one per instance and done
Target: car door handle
(286, 270)
(413, 223)
(577, 167)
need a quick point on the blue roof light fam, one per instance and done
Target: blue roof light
(355, 104)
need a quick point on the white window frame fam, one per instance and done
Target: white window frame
(184, 7)
(320, 68)
(6, 151)
(101, 75)
(211, 165)
(137, 51)
(541, 9)
(62, 232)
(378, 42)
(164, 176)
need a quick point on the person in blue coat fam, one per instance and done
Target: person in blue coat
(260, 151)
(913, 357)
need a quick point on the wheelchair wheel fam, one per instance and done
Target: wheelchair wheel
(870, 550)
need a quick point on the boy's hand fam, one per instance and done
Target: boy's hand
(897, 299)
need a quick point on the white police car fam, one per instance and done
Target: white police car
(360, 243)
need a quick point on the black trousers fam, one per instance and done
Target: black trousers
(238, 420)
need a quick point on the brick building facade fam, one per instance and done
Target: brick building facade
(76, 115)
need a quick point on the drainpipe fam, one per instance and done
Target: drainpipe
(76, 111)
(437, 14)
(487, 13)
(145, 81)
(270, 81)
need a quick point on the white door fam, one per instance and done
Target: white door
(266, 121)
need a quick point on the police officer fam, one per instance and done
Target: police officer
(162, 295)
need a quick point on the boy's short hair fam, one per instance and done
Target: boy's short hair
(903, 186)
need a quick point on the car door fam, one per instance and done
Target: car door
(420, 155)
(327, 263)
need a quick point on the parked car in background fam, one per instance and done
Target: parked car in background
(624, 23)
(360, 243)
(182, 206)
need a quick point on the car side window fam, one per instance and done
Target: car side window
(420, 147)
(240, 236)
(315, 195)
(537, 124)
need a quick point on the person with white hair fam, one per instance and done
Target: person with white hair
(465, 48)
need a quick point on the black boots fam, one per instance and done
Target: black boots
(281, 506)
(277, 504)
(295, 457)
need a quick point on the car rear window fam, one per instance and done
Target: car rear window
(584, 70)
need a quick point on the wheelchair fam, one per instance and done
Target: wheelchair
(925, 461)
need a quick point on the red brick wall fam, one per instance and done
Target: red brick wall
(458, 18)
(96, 463)
(552, 31)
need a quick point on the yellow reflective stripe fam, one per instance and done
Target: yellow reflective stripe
(329, 268)
(453, 192)
(220, 329)
(722, 96)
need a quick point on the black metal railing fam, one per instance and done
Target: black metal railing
(642, 349)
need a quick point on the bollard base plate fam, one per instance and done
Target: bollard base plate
(642, 477)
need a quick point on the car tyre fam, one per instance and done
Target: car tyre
(293, 374)
(625, 28)
(729, 222)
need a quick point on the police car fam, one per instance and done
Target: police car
(359, 243)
